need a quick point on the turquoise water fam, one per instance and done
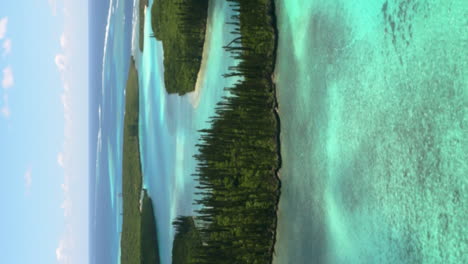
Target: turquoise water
(169, 123)
(373, 102)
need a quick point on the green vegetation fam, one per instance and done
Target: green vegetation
(143, 4)
(138, 239)
(149, 238)
(131, 175)
(238, 158)
(187, 241)
(181, 26)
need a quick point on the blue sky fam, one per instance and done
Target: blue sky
(43, 131)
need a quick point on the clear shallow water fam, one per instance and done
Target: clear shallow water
(169, 123)
(373, 102)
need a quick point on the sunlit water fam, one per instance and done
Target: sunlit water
(373, 102)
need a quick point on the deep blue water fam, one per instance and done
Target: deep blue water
(109, 61)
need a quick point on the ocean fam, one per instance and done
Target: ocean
(373, 104)
(111, 29)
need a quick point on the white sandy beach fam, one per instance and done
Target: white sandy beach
(194, 97)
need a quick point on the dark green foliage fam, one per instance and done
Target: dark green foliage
(138, 239)
(143, 4)
(181, 26)
(187, 241)
(131, 174)
(238, 156)
(149, 238)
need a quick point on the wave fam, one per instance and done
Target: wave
(135, 18)
(106, 38)
(99, 139)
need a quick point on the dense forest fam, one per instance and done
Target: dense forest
(238, 159)
(138, 238)
(149, 236)
(187, 241)
(142, 5)
(181, 26)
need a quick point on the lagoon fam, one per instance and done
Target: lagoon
(372, 98)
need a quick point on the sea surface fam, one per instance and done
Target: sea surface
(112, 51)
(373, 102)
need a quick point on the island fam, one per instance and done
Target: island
(239, 155)
(141, 16)
(180, 26)
(138, 242)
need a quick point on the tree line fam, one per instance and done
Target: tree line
(180, 25)
(238, 156)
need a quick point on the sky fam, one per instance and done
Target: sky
(43, 131)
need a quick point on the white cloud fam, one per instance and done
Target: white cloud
(62, 252)
(5, 111)
(65, 248)
(53, 6)
(28, 180)
(65, 98)
(66, 206)
(61, 160)
(63, 41)
(67, 57)
(8, 79)
(6, 47)
(61, 62)
(3, 27)
(65, 187)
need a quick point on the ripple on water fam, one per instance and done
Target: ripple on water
(373, 102)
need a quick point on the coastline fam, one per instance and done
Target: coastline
(272, 81)
(257, 52)
(181, 27)
(194, 96)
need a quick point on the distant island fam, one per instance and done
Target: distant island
(142, 6)
(139, 243)
(181, 26)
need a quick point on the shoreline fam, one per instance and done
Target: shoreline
(181, 27)
(272, 80)
(194, 96)
(235, 186)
